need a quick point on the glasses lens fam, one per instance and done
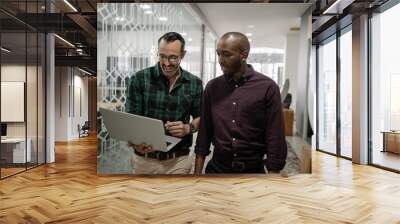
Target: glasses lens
(171, 58)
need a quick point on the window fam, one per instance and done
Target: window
(385, 87)
(327, 96)
(346, 93)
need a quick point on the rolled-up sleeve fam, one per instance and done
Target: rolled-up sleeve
(276, 148)
(205, 133)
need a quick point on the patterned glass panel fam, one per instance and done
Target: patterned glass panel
(268, 61)
(209, 57)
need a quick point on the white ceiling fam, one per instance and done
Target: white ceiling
(272, 21)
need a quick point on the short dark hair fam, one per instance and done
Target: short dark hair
(243, 40)
(171, 37)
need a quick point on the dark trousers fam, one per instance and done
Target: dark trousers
(214, 166)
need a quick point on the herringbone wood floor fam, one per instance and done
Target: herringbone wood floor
(70, 191)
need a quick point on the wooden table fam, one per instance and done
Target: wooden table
(391, 141)
(288, 115)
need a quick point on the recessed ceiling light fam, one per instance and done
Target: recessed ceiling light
(5, 50)
(249, 34)
(163, 18)
(190, 39)
(70, 5)
(148, 12)
(334, 6)
(183, 34)
(65, 41)
(145, 6)
(84, 71)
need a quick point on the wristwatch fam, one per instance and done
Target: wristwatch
(192, 128)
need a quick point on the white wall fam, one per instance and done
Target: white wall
(80, 84)
(33, 126)
(291, 66)
(303, 72)
(14, 73)
(61, 103)
(69, 85)
(297, 70)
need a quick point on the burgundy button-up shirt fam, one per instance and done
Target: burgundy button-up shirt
(243, 119)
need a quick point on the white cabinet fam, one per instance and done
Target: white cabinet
(17, 147)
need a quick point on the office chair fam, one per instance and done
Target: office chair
(84, 130)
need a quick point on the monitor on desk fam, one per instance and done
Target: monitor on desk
(3, 130)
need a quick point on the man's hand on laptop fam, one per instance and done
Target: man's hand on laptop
(177, 128)
(142, 148)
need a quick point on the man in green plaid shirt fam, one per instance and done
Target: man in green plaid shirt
(168, 93)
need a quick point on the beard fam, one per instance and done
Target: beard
(170, 70)
(234, 68)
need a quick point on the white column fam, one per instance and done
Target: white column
(62, 103)
(360, 90)
(50, 99)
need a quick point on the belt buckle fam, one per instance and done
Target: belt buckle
(236, 164)
(169, 156)
(165, 156)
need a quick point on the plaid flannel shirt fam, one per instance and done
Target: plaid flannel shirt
(148, 95)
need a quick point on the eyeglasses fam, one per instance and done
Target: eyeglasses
(171, 58)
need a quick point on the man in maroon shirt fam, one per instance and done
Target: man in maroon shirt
(241, 115)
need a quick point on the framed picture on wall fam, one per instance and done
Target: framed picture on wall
(12, 101)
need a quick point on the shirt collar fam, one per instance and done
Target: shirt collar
(159, 72)
(245, 77)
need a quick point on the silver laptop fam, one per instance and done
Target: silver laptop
(137, 129)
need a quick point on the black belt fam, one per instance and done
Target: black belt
(240, 164)
(163, 155)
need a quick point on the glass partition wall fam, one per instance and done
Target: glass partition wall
(334, 121)
(334, 85)
(22, 77)
(327, 96)
(385, 89)
(209, 65)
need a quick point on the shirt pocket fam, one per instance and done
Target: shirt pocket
(252, 111)
(185, 103)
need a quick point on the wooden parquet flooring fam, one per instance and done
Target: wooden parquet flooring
(70, 191)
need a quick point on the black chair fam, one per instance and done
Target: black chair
(287, 101)
(84, 130)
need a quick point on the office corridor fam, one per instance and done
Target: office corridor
(70, 191)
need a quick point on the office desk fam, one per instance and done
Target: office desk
(391, 141)
(13, 150)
